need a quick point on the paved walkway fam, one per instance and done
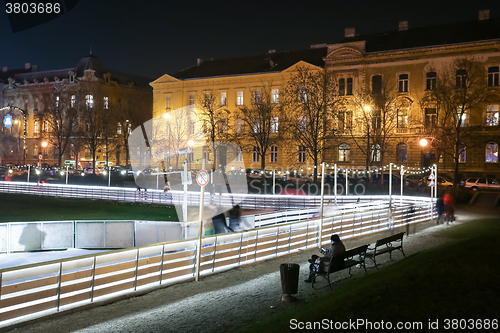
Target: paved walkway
(226, 301)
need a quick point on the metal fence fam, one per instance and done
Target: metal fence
(246, 201)
(46, 288)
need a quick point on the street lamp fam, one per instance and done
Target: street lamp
(44, 145)
(18, 142)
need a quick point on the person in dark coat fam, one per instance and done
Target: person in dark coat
(440, 208)
(235, 218)
(335, 250)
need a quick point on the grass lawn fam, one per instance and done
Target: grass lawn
(19, 207)
(456, 280)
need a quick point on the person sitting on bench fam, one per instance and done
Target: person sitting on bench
(335, 250)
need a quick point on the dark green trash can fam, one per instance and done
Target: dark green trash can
(289, 281)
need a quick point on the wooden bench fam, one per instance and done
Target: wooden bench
(349, 261)
(386, 245)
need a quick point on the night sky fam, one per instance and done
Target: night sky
(154, 37)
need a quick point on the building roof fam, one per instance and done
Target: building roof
(431, 36)
(262, 63)
(88, 62)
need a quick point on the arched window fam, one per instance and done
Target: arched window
(462, 153)
(375, 153)
(491, 152)
(344, 152)
(493, 73)
(402, 152)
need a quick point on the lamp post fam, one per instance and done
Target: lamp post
(18, 141)
(24, 112)
(44, 145)
(423, 143)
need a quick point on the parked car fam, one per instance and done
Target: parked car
(297, 178)
(477, 183)
(412, 180)
(396, 180)
(441, 181)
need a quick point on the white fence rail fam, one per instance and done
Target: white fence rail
(55, 286)
(248, 201)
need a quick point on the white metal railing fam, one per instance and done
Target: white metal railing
(54, 286)
(246, 201)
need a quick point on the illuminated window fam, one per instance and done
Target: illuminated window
(492, 153)
(119, 128)
(239, 98)
(461, 117)
(276, 96)
(303, 94)
(239, 155)
(402, 118)
(375, 153)
(223, 99)
(46, 126)
(106, 102)
(461, 153)
(303, 123)
(57, 101)
(73, 101)
(89, 101)
(344, 152)
(492, 115)
(274, 124)
(36, 128)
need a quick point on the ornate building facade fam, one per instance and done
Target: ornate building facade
(49, 98)
(399, 68)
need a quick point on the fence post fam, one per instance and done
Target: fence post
(59, 286)
(161, 262)
(92, 280)
(136, 269)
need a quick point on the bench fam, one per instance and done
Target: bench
(349, 260)
(386, 245)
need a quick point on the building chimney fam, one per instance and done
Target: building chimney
(199, 61)
(27, 65)
(403, 25)
(484, 14)
(349, 32)
(5, 68)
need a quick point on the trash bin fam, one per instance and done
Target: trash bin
(289, 281)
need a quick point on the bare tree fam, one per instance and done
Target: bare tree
(379, 114)
(92, 121)
(458, 95)
(60, 112)
(214, 116)
(312, 103)
(257, 123)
